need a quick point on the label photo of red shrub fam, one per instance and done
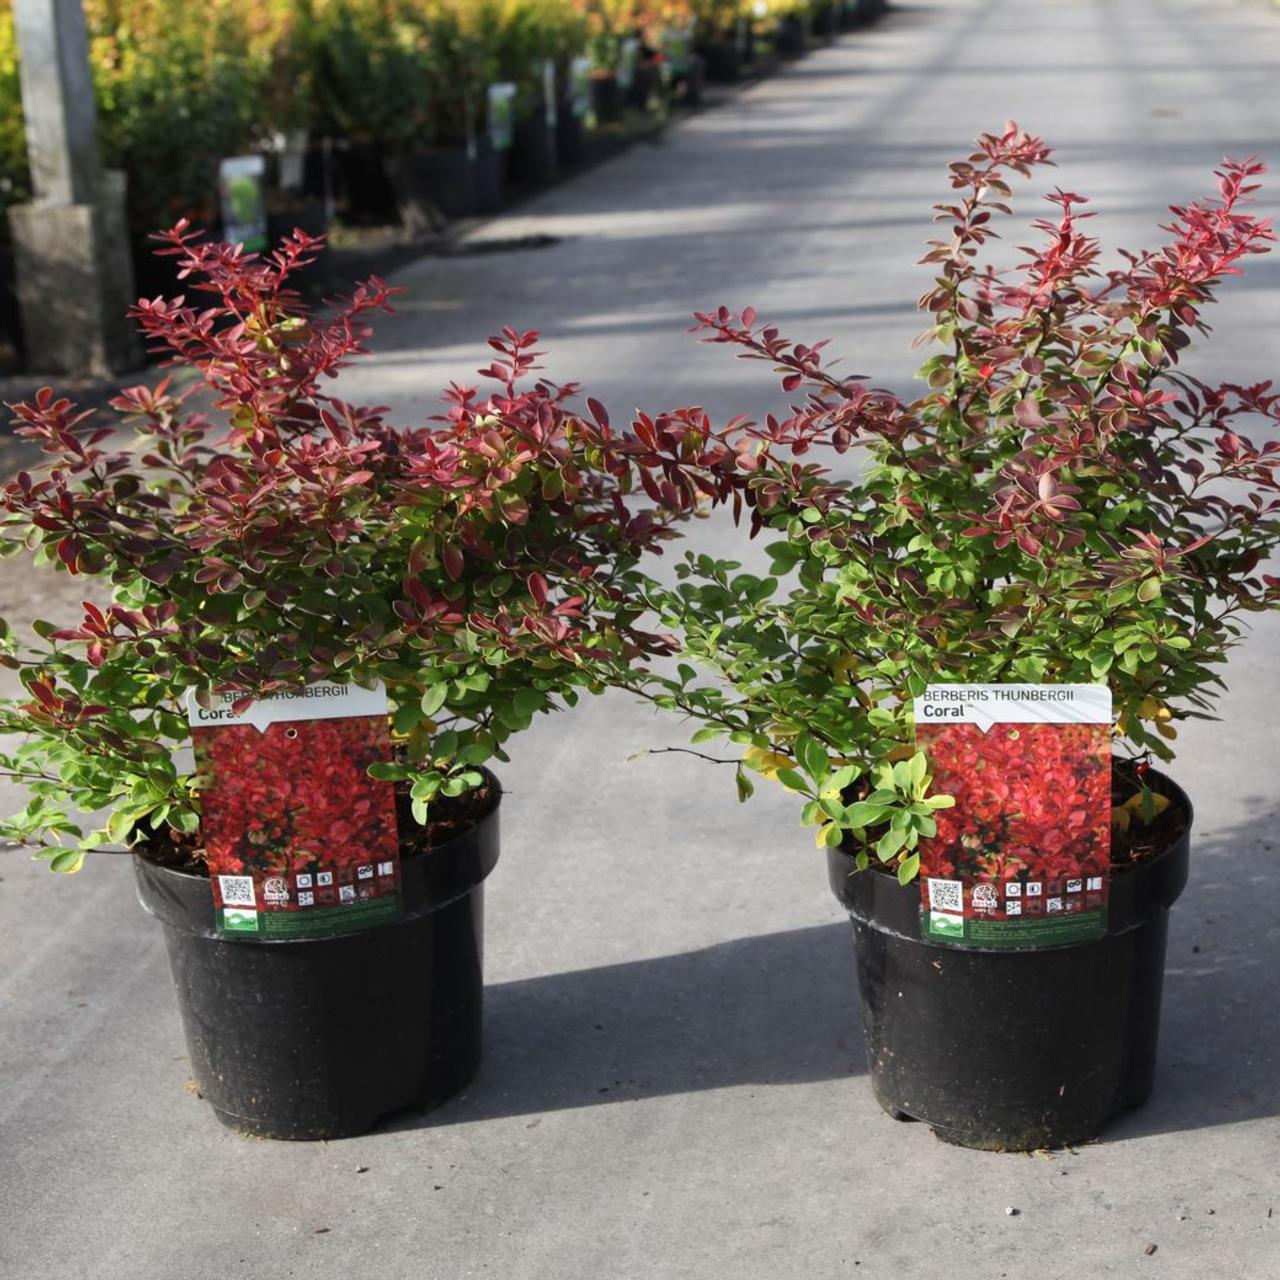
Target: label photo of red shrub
(1023, 858)
(300, 841)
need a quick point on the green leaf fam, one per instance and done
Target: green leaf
(185, 820)
(908, 868)
(793, 780)
(120, 825)
(529, 701)
(940, 802)
(1148, 590)
(67, 861)
(434, 698)
(812, 756)
(889, 844)
(864, 814)
(842, 777)
(705, 735)
(746, 789)
(919, 768)
(425, 788)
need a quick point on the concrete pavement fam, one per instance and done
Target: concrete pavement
(674, 1083)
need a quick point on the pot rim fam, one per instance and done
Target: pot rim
(444, 847)
(1137, 891)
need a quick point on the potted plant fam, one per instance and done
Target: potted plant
(276, 551)
(1049, 551)
(722, 37)
(825, 19)
(610, 43)
(791, 23)
(374, 76)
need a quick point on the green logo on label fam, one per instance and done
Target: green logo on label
(237, 921)
(946, 926)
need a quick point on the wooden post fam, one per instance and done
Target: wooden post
(71, 243)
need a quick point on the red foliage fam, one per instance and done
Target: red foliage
(1033, 798)
(296, 797)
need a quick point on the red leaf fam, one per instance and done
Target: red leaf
(598, 412)
(451, 557)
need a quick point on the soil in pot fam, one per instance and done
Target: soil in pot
(1017, 1050)
(321, 1037)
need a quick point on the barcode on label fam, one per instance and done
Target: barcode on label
(946, 895)
(237, 891)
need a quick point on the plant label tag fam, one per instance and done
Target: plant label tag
(1023, 858)
(549, 103)
(628, 58)
(242, 184)
(502, 115)
(300, 841)
(580, 86)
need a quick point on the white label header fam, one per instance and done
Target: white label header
(324, 700)
(989, 704)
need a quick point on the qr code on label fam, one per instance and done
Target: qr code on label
(946, 895)
(237, 891)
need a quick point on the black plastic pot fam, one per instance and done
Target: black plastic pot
(826, 22)
(571, 135)
(534, 152)
(791, 36)
(645, 83)
(364, 186)
(11, 344)
(320, 1038)
(689, 86)
(301, 215)
(490, 177)
(723, 59)
(1013, 1050)
(431, 183)
(607, 99)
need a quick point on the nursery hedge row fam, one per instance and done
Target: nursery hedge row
(181, 86)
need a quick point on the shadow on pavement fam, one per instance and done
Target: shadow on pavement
(776, 1009)
(1219, 1058)
(781, 1008)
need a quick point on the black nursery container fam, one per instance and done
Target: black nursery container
(535, 158)
(607, 99)
(1013, 1050)
(571, 135)
(722, 58)
(431, 183)
(322, 1037)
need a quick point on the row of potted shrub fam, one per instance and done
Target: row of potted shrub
(380, 111)
(1061, 506)
(180, 88)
